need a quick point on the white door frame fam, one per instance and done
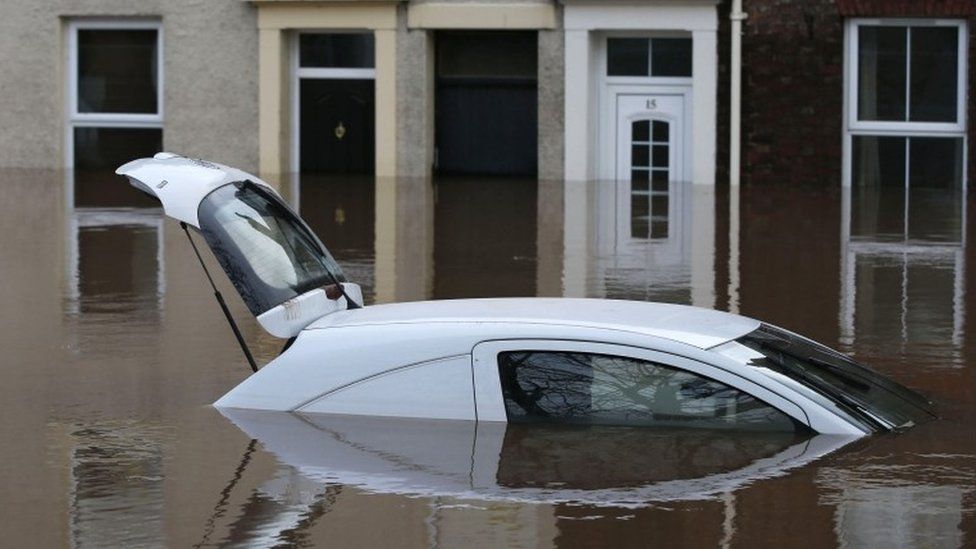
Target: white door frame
(299, 73)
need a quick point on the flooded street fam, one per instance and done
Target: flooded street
(115, 349)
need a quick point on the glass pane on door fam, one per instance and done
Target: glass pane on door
(650, 171)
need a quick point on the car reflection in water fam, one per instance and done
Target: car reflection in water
(593, 465)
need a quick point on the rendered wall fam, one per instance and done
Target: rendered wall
(210, 77)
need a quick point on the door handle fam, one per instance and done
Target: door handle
(340, 131)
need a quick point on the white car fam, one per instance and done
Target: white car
(523, 360)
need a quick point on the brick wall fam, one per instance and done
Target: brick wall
(793, 84)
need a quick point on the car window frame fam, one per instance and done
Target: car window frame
(490, 403)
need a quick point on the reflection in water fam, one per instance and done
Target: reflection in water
(596, 465)
(594, 458)
(874, 509)
(903, 269)
(116, 486)
(115, 261)
(109, 327)
(484, 238)
(607, 257)
(647, 255)
(341, 211)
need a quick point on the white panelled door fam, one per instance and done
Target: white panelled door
(649, 158)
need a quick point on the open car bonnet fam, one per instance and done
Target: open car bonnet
(276, 263)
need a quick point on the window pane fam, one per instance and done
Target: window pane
(117, 71)
(661, 131)
(627, 57)
(935, 74)
(640, 130)
(639, 217)
(344, 51)
(671, 56)
(660, 156)
(269, 254)
(487, 55)
(935, 189)
(659, 216)
(98, 152)
(544, 386)
(660, 180)
(881, 73)
(638, 180)
(640, 156)
(878, 193)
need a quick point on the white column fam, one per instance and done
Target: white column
(735, 94)
(704, 93)
(703, 246)
(576, 238)
(577, 101)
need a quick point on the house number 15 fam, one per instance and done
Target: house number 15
(652, 104)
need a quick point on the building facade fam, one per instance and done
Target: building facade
(850, 91)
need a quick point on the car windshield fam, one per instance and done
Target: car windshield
(857, 390)
(269, 254)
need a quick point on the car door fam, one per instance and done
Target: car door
(552, 381)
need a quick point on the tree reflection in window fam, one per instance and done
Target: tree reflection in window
(566, 387)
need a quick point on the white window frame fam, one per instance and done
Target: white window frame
(874, 126)
(907, 251)
(854, 127)
(77, 119)
(603, 63)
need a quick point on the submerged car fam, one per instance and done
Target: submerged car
(521, 360)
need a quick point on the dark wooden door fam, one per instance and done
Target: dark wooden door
(337, 126)
(487, 103)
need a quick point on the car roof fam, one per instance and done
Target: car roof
(702, 328)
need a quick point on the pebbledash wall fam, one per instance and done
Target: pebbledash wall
(793, 84)
(210, 91)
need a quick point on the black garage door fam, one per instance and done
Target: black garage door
(486, 104)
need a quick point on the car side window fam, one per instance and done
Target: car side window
(573, 387)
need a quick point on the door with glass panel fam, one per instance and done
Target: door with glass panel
(335, 95)
(649, 160)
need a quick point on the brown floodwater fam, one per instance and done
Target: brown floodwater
(114, 349)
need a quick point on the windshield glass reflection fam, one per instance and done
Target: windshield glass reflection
(268, 253)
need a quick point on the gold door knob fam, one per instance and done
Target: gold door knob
(340, 131)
